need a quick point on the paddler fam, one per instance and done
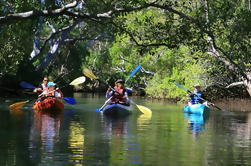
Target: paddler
(42, 88)
(53, 91)
(196, 97)
(118, 93)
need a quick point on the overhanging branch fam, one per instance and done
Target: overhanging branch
(36, 13)
(213, 50)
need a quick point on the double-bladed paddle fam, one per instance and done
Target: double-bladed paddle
(133, 72)
(143, 109)
(197, 96)
(101, 108)
(88, 73)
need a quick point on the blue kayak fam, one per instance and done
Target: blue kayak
(117, 110)
(196, 108)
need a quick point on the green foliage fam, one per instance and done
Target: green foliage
(170, 65)
(16, 45)
(171, 45)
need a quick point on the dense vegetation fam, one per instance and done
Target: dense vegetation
(185, 42)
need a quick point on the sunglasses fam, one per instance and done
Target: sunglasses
(45, 80)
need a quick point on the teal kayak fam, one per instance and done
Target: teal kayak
(196, 109)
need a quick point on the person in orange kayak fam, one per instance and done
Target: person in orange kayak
(42, 88)
(53, 91)
(118, 93)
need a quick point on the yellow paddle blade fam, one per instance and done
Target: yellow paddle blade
(78, 81)
(143, 120)
(18, 105)
(88, 73)
(144, 110)
(17, 112)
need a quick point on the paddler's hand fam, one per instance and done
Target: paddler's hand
(190, 94)
(37, 90)
(211, 104)
(109, 89)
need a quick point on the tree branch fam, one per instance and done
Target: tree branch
(182, 15)
(36, 14)
(235, 84)
(213, 48)
(143, 44)
(211, 39)
(64, 10)
(147, 72)
(50, 37)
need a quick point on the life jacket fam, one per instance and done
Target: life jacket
(196, 99)
(54, 94)
(118, 96)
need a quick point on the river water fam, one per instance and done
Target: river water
(81, 136)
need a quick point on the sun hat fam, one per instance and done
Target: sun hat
(49, 84)
(120, 81)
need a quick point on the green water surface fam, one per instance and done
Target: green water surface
(81, 136)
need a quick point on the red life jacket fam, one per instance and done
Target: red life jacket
(118, 96)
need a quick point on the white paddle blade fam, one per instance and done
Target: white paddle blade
(78, 81)
(88, 73)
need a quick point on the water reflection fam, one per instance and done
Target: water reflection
(81, 136)
(76, 142)
(123, 148)
(115, 126)
(196, 122)
(18, 113)
(143, 121)
(240, 128)
(45, 127)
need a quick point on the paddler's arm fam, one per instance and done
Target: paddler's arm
(126, 97)
(38, 89)
(109, 92)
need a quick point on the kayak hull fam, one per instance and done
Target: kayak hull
(49, 104)
(117, 110)
(196, 109)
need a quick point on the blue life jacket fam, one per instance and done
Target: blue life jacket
(195, 98)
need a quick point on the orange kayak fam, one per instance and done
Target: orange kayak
(49, 104)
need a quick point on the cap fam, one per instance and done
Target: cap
(197, 85)
(49, 84)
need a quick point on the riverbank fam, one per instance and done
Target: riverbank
(213, 93)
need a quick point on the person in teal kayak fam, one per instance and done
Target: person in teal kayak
(196, 97)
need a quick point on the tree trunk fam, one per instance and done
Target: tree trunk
(248, 86)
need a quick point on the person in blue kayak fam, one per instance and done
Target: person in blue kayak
(42, 88)
(118, 93)
(196, 97)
